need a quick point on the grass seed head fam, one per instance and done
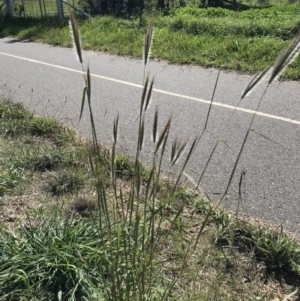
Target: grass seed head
(255, 81)
(142, 132)
(148, 44)
(115, 129)
(155, 124)
(75, 36)
(287, 57)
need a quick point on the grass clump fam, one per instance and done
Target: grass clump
(40, 126)
(59, 259)
(10, 179)
(48, 160)
(50, 157)
(13, 111)
(65, 183)
(278, 252)
(31, 144)
(16, 121)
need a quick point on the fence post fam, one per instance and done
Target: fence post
(8, 8)
(60, 9)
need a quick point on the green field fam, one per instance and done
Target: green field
(245, 41)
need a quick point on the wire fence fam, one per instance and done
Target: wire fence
(38, 8)
(50, 8)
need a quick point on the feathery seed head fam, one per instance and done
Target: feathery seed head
(148, 44)
(256, 80)
(287, 57)
(75, 36)
(274, 72)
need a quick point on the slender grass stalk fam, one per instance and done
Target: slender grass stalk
(211, 102)
(272, 73)
(243, 145)
(241, 181)
(227, 123)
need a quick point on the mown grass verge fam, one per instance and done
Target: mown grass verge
(53, 247)
(245, 41)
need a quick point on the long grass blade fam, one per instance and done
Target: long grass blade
(92, 164)
(207, 163)
(243, 145)
(269, 139)
(287, 297)
(208, 215)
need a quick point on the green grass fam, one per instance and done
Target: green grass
(245, 41)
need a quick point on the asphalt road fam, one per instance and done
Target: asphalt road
(49, 81)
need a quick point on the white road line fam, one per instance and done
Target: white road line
(218, 104)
